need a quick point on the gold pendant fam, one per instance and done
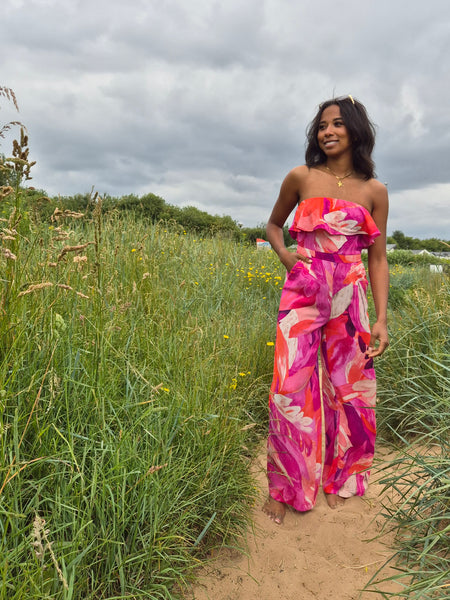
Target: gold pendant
(340, 184)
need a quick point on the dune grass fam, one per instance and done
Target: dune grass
(414, 416)
(135, 362)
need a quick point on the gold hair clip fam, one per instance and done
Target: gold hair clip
(351, 98)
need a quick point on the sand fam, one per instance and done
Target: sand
(322, 554)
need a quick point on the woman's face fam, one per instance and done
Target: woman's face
(332, 135)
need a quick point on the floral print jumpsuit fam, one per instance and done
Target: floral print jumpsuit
(323, 304)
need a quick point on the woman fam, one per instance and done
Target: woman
(341, 209)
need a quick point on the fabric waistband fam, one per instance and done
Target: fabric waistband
(330, 256)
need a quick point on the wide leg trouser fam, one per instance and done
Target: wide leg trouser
(323, 305)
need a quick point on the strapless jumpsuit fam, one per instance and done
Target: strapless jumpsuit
(323, 306)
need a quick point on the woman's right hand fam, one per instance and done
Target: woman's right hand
(289, 259)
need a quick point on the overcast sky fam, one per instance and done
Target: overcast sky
(206, 102)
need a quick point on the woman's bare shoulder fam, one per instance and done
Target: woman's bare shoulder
(377, 189)
(296, 177)
(298, 172)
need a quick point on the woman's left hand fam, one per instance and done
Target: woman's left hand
(380, 335)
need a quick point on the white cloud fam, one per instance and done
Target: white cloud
(421, 213)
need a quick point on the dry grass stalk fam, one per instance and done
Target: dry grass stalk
(40, 535)
(21, 162)
(13, 221)
(10, 231)
(78, 248)
(65, 214)
(21, 151)
(47, 284)
(8, 234)
(5, 191)
(38, 529)
(10, 95)
(79, 259)
(8, 126)
(156, 468)
(247, 427)
(8, 254)
(64, 286)
(35, 287)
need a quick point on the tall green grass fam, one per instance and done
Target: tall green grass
(413, 375)
(134, 371)
(414, 415)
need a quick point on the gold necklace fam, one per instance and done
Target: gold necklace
(339, 179)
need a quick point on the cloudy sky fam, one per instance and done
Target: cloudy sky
(206, 102)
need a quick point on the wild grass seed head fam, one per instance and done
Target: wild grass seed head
(38, 537)
(9, 94)
(47, 284)
(64, 286)
(8, 254)
(35, 287)
(5, 191)
(65, 214)
(80, 260)
(68, 249)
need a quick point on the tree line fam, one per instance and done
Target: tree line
(404, 242)
(156, 209)
(148, 206)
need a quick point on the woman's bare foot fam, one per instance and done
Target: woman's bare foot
(276, 510)
(334, 500)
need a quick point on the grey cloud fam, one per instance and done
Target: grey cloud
(207, 103)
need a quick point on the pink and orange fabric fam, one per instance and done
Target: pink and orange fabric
(323, 311)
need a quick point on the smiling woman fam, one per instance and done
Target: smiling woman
(350, 115)
(324, 305)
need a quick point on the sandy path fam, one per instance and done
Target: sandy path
(323, 554)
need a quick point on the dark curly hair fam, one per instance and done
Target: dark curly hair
(360, 129)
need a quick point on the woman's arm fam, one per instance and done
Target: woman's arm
(287, 200)
(379, 273)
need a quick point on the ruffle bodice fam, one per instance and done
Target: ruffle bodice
(333, 225)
